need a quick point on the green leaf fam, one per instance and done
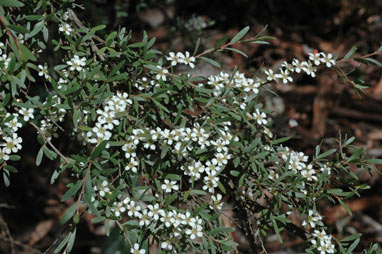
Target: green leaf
(73, 190)
(372, 60)
(6, 178)
(26, 53)
(280, 140)
(353, 246)
(55, 175)
(98, 150)
(350, 53)
(18, 29)
(234, 173)
(98, 219)
(170, 199)
(375, 161)
(326, 154)
(237, 51)
(71, 240)
(90, 204)
(351, 238)
(221, 187)
(97, 28)
(210, 61)
(221, 42)
(11, 3)
(345, 207)
(39, 157)
(69, 213)
(221, 230)
(62, 244)
(240, 34)
(137, 45)
(49, 153)
(10, 168)
(197, 46)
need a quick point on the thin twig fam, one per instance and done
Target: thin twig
(365, 56)
(121, 228)
(93, 46)
(50, 143)
(25, 246)
(11, 241)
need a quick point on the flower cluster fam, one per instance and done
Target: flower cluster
(323, 242)
(11, 142)
(180, 58)
(309, 67)
(53, 115)
(76, 63)
(195, 23)
(106, 118)
(65, 28)
(4, 58)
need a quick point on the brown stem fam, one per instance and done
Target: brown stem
(9, 32)
(50, 143)
(93, 46)
(365, 56)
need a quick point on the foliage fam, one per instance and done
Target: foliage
(158, 152)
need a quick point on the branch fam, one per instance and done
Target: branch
(93, 46)
(50, 143)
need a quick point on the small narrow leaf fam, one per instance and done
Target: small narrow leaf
(350, 53)
(98, 150)
(11, 3)
(210, 61)
(240, 34)
(69, 213)
(72, 191)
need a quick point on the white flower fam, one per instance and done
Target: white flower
(327, 59)
(284, 76)
(3, 155)
(13, 144)
(133, 209)
(43, 71)
(161, 73)
(167, 219)
(311, 219)
(309, 173)
(132, 165)
(325, 168)
(118, 208)
(145, 219)
(14, 124)
(297, 65)
(189, 60)
(65, 28)
(167, 244)
(169, 185)
(315, 57)
(175, 58)
(26, 113)
(104, 188)
(196, 229)
(270, 75)
(155, 211)
(65, 15)
(309, 69)
(287, 66)
(76, 63)
(260, 117)
(217, 201)
(137, 250)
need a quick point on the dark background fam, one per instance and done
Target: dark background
(323, 107)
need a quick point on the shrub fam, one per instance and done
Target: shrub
(157, 152)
